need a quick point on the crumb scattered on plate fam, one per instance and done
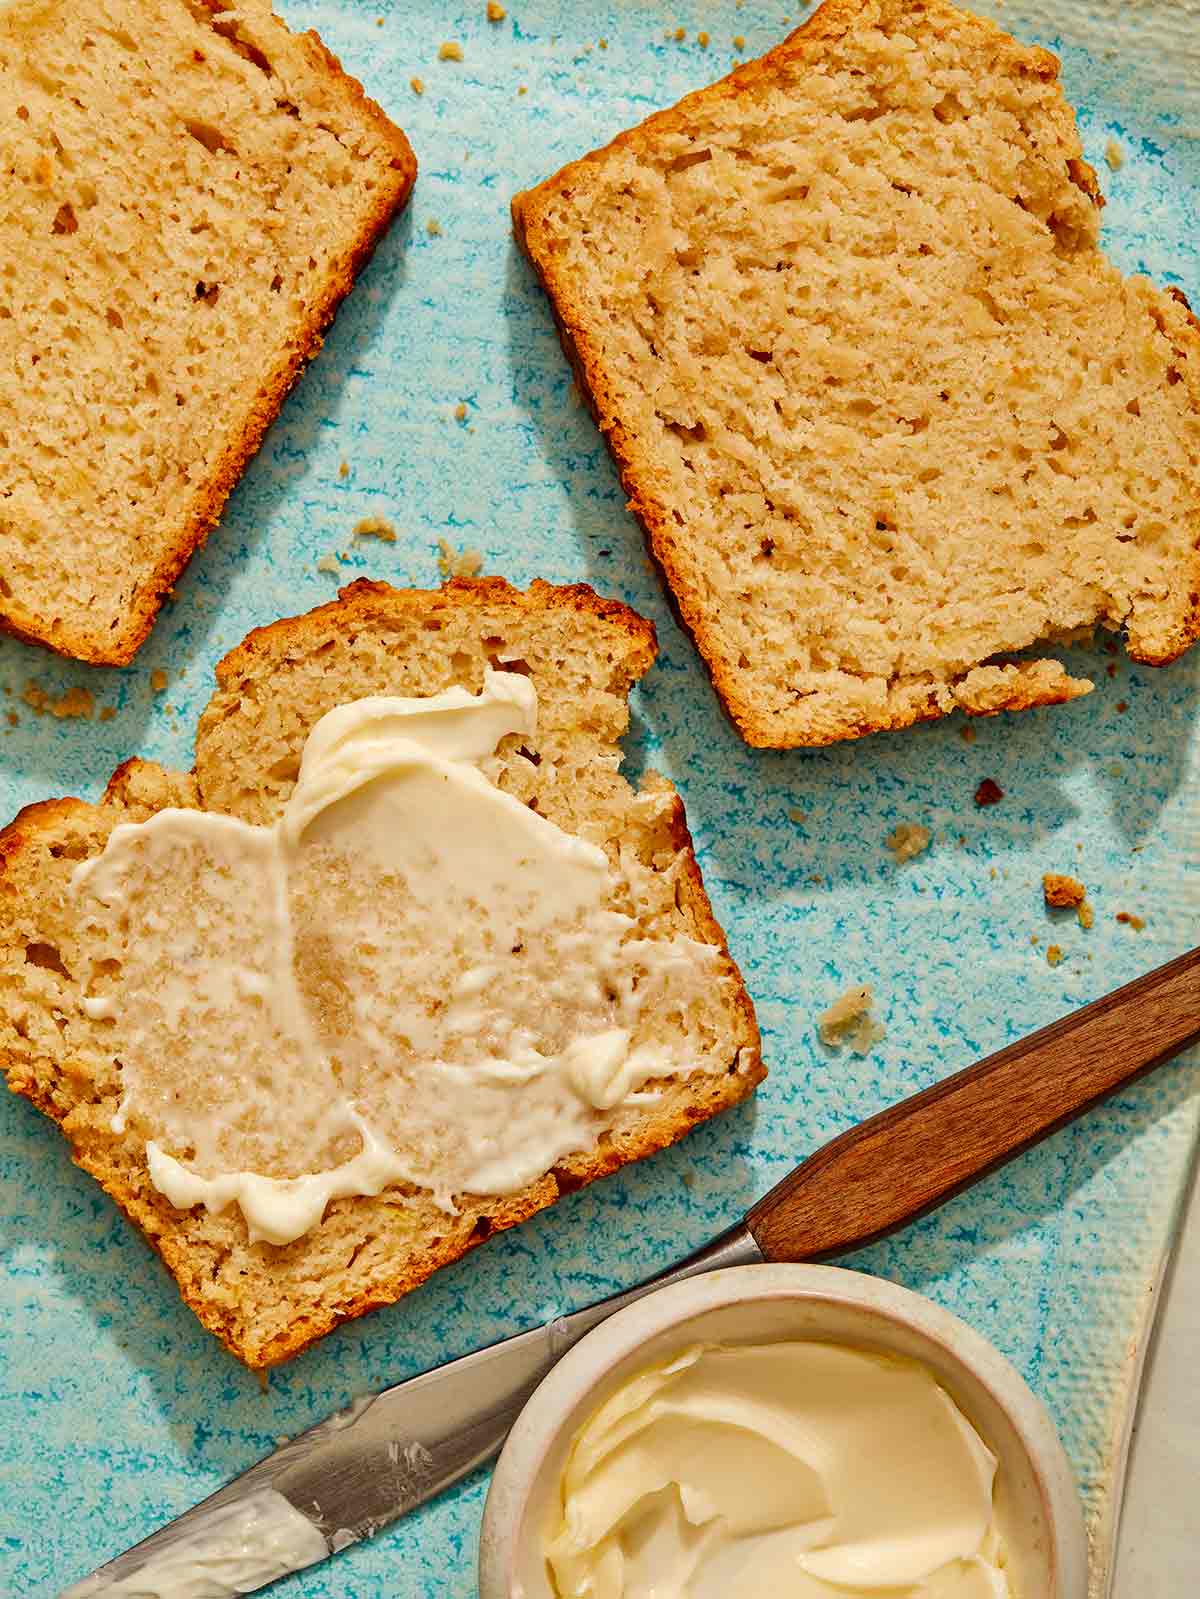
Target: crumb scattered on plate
(328, 563)
(907, 840)
(460, 412)
(849, 1021)
(417, 85)
(797, 816)
(988, 793)
(1054, 955)
(495, 11)
(158, 680)
(375, 527)
(1062, 891)
(1130, 920)
(1114, 155)
(458, 563)
(433, 227)
(75, 702)
(450, 51)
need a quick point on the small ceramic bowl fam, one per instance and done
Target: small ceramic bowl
(1036, 1500)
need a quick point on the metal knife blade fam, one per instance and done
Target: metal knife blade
(364, 1467)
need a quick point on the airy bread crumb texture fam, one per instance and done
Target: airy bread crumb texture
(583, 654)
(188, 193)
(886, 412)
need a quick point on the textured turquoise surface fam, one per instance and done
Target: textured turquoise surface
(116, 1410)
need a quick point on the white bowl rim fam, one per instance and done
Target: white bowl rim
(585, 1366)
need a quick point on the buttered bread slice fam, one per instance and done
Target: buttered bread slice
(886, 412)
(403, 959)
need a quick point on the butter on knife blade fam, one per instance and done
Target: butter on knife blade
(232, 1548)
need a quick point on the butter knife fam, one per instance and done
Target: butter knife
(357, 1471)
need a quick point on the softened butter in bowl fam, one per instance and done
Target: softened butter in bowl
(800, 1468)
(783, 1432)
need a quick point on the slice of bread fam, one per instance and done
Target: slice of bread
(882, 406)
(188, 191)
(582, 654)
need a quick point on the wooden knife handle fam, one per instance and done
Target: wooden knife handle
(908, 1159)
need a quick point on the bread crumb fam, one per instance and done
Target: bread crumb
(460, 412)
(1130, 920)
(967, 734)
(1114, 155)
(1111, 669)
(433, 228)
(994, 872)
(603, 44)
(849, 1021)
(679, 35)
(158, 680)
(450, 51)
(988, 793)
(1061, 891)
(521, 89)
(1122, 705)
(799, 817)
(14, 719)
(107, 712)
(379, 21)
(417, 85)
(1054, 955)
(907, 840)
(1034, 939)
(458, 563)
(344, 469)
(495, 12)
(702, 40)
(75, 702)
(328, 563)
(739, 43)
(375, 527)
(1085, 913)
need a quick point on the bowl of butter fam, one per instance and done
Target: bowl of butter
(783, 1432)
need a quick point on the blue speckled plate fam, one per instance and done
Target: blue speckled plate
(116, 1410)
